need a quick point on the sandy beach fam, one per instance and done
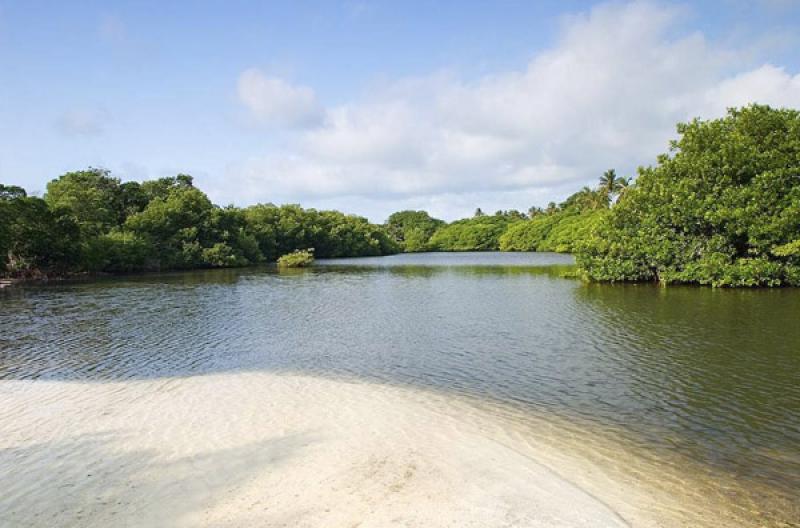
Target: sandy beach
(266, 450)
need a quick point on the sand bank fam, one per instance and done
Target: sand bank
(265, 450)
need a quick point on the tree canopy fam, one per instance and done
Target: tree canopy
(480, 233)
(721, 208)
(91, 221)
(413, 229)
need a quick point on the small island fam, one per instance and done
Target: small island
(299, 258)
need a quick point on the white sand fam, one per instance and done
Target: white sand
(265, 450)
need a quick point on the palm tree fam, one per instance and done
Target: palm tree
(611, 185)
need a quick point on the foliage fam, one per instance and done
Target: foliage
(412, 230)
(280, 230)
(34, 238)
(89, 197)
(117, 251)
(479, 233)
(89, 221)
(560, 227)
(722, 208)
(176, 228)
(559, 232)
(163, 187)
(611, 185)
(299, 258)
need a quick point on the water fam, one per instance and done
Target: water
(688, 380)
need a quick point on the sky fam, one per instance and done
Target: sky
(373, 107)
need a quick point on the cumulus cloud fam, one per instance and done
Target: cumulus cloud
(607, 94)
(82, 122)
(767, 84)
(274, 101)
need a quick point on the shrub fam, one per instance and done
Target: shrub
(299, 258)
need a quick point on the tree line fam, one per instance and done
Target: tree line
(558, 227)
(722, 207)
(89, 221)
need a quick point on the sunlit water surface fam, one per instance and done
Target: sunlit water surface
(688, 380)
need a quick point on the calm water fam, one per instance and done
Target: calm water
(707, 376)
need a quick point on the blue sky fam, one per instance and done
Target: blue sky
(371, 107)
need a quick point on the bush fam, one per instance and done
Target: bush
(300, 258)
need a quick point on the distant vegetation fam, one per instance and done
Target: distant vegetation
(89, 221)
(479, 233)
(413, 229)
(721, 208)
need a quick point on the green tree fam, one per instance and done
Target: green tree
(412, 229)
(176, 228)
(37, 239)
(284, 229)
(89, 197)
(163, 187)
(480, 233)
(559, 229)
(130, 199)
(611, 185)
(722, 208)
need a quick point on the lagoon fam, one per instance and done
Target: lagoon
(356, 390)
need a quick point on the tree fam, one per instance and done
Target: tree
(481, 233)
(36, 238)
(412, 229)
(534, 211)
(281, 230)
(89, 197)
(130, 199)
(611, 185)
(163, 187)
(90, 221)
(560, 229)
(176, 228)
(11, 192)
(721, 208)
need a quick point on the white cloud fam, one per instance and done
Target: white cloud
(274, 101)
(772, 85)
(607, 94)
